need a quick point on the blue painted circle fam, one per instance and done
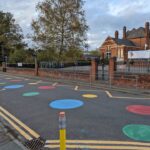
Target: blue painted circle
(17, 86)
(66, 104)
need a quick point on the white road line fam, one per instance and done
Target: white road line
(2, 89)
(141, 98)
(8, 78)
(54, 84)
(40, 81)
(65, 85)
(26, 79)
(99, 142)
(11, 76)
(90, 90)
(109, 94)
(76, 88)
(121, 97)
(101, 147)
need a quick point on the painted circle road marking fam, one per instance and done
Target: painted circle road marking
(89, 96)
(66, 104)
(31, 94)
(46, 87)
(17, 86)
(137, 132)
(2, 83)
(15, 80)
(8, 78)
(33, 83)
(139, 109)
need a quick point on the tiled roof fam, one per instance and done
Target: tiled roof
(124, 42)
(136, 33)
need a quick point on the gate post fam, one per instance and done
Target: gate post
(112, 68)
(94, 70)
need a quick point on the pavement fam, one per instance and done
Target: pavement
(7, 141)
(98, 123)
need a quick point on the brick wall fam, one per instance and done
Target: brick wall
(69, 75)
(21, 71)
(128, 80)
(55, 73)
(136, 81)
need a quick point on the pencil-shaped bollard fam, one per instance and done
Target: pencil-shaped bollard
(62, 130)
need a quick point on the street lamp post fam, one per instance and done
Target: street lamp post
(35, 63)
(3, 59)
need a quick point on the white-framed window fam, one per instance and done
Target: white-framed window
(108, 52)
(120, 53)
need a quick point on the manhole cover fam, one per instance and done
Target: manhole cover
(35, 144)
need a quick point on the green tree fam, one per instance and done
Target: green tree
(73, 55)
(10, 34)
(47, 55)
(60, 26)
(95, 53)
(17, 56)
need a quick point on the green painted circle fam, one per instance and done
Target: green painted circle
(137, 132)
(2, 83)
(31, 94)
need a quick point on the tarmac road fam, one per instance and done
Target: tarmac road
(102, 118)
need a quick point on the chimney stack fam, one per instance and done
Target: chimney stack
(124, 32)
(116, 34)
(147, 34)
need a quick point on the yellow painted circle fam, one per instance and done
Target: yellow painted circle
(89, 96)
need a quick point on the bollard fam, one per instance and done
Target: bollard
(62, 130)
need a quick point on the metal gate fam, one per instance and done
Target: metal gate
(103, 72)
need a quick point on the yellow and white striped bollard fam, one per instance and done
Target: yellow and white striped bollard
(62, 130)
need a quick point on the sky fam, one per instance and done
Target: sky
(103, 17)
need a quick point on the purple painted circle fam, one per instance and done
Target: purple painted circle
(46, 87)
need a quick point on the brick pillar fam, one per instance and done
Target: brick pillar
(94, 70)
(112, 67)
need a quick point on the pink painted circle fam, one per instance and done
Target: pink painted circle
(46, 87)
(15, 80)
(139, 109)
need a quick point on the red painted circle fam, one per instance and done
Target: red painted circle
(15, 80)
(46, 87)
(139, 109)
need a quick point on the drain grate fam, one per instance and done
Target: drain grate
(35, 144)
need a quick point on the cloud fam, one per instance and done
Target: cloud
(103, 16)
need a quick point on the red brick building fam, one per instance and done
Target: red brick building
(135, 39)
